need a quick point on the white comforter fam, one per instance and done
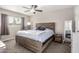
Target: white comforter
(38, 35)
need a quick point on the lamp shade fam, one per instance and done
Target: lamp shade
(28, 23)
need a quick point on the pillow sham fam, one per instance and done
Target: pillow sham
(40, 28)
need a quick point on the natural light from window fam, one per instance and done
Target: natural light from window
(14, 20)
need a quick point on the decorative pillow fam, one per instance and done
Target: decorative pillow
(41, 28)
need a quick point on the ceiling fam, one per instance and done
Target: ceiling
(45, 8)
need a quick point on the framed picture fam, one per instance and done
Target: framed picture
(17, 20)
(11, 20)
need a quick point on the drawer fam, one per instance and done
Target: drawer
(58, 39)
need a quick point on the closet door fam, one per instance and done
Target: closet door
(75, 43)
(77, 25)
(0, 24)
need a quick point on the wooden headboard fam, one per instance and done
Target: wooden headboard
(47, 25)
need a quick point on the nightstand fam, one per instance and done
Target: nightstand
(28, 27)
(58, 38)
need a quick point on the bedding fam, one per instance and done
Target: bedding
(37, 35)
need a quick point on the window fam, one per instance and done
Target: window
(10, 20)
(14, 20)
(68, 25)
(17, 20)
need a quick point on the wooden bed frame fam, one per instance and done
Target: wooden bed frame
(36, 46)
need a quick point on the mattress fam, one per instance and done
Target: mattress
(37, 35)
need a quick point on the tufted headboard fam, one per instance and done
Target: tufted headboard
(50, 25)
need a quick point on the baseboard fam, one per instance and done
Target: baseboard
(4, 40)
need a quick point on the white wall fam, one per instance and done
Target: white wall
(13, 28)
(58, 16)
(75, 39)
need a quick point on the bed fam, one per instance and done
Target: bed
(36, 40)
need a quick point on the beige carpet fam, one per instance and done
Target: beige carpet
(54, 47)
